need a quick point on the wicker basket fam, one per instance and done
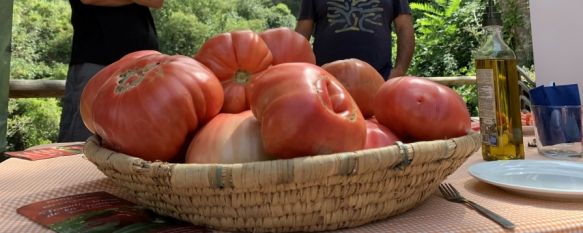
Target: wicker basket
(315, 193)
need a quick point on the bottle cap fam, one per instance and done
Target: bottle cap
(492, 15)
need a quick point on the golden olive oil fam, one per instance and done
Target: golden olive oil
(498, 92)
(499, 109)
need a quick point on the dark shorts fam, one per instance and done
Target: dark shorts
(72, 128)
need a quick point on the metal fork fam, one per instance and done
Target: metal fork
(451, 194)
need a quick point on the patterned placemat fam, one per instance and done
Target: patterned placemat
(23, 182)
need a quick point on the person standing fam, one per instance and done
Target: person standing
(103, 32)
(359, 29)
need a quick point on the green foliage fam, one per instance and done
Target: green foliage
(41, 38)
(32, 122)
(280, 16)
(293, 5)
(447, 31)
(23, 69)
(530, 72)
(182, 34)
(512, 17)
(515, 33)
(470, 96)
(184, 25)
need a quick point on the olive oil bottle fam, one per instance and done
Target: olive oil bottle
(498, 93)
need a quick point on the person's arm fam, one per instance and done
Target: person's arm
(305, 27)
(113, 3)
(150, 3)
(405, 44)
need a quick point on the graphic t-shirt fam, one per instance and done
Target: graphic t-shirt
(354, 29)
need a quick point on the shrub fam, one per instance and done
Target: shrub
(32, 122)
(184, 25)
(447, 31)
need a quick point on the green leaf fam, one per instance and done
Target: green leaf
(452, 7)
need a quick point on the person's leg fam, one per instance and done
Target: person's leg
(72, 127)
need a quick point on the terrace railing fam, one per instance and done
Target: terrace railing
(56, 88)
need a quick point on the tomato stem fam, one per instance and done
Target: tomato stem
(133, 77)
(241, 77)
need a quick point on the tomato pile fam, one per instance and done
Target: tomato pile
(247, 96)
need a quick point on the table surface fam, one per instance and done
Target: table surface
(23, 182)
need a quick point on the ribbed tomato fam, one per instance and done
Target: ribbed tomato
(304, 110)
(235, 57)
(360, 79)
(417, 109)
(287, 45)
(91, 88)
(228, 138)
(150, 107)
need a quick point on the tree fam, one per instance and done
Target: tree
(517, 30)
(41, 38)
(446, 32)
(184, 25)
(32, 122)
(293, 5)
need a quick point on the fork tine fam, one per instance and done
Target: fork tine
(446, 187)
(453, 190)
(451, 194)
(444, 191)
(449, 190)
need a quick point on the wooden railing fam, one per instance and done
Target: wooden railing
(36, 88)
(454, 81)
(56, 88)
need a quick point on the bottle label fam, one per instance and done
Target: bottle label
(487, 106)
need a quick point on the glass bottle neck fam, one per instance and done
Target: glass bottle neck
(494, 46)
(494, 30)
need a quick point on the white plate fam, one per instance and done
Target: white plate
(537, 178)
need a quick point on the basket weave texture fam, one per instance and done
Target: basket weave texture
(306, 194)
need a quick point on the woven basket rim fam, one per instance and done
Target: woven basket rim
(95, 141)
(306, 194)
(315, 167)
